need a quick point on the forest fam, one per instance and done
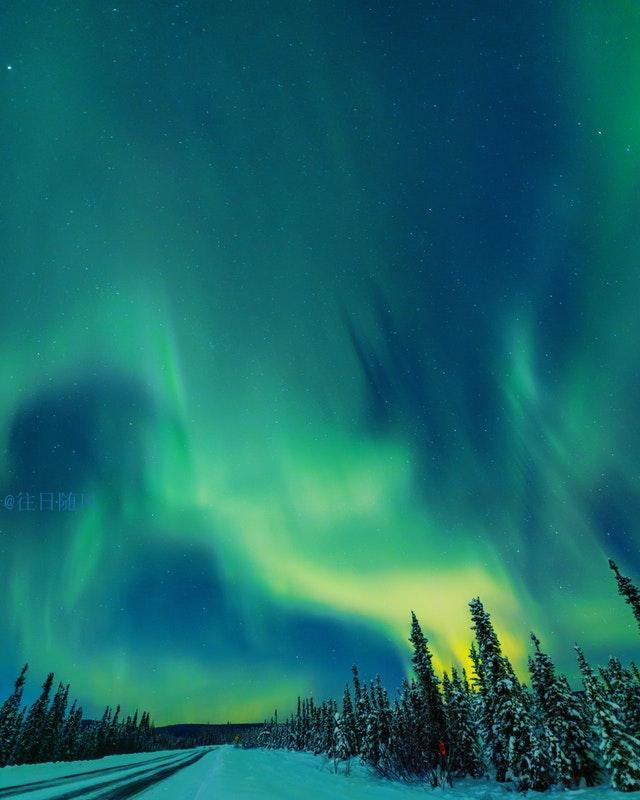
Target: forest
(487, 724)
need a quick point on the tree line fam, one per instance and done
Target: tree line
(487, 724)
(49, 730)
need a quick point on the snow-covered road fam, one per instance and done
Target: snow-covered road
(227, 773)
(113, 778)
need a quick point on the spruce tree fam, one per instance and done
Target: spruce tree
(52, 730)
(621, 750)
(627, 589)
(13, 748)
(361, 722)
(464, 744)
(9, 718)
(527, 750)
(384, 714)
(624, 689)
(70, 737)
(570, 750)
(405, 758)
(433, 724)
(497, 684)
(376, 740)
(348, 722)
(343, 745)
(28, 745)
(363, 712)
(102, 734)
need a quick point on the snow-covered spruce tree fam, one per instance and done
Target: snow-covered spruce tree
(628, 590)
(317, 729)
(376, 738)
(477, 765)
(452, 710)
(405, 759)
(527, 747)
(302, 742)
(329, 728)
(132, 733)
(363, 712)
(496, 686)
(390, 757)
(624, 689)
(343, 745)
(307, 722)
(28, 744)
(298, 741)
(9, 716)
(561, 721)
(621, 750)
(18, 732)
(383, 719)
(432, 726)
(70, 738)
(514, 747)
(86, 741)
(113, 733)
(359, 713)
(349, 722)
(465, 747)
(102, 734)
(53, 724)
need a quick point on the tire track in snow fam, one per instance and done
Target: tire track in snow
(46, 783)
(122, 786)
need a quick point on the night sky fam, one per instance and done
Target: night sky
(334, 306)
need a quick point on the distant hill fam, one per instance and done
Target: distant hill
(210, 734)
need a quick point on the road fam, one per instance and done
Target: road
(117, 782)
(226, 772)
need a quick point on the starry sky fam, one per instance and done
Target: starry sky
(330, 309)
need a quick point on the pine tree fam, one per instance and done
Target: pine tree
(620, 749)
(113, 732)
(53, 725)
(383, 719)
(464, 745)
(627, 589)
(433, 724)
(29, 741)
(13, 748)
(624, 689)
(102, 734)
(343, 746)
(376, 740)
(361, 722)
(349, 722)
(9, 718)
(527, 748)
(497, 684)
(363, 712)
(570, 752)
(405, 758)
(70, 737)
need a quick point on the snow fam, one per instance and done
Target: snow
(281, 775)
(79, 774)
(237, 774)
(28, 773)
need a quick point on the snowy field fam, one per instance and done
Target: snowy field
(227, 773)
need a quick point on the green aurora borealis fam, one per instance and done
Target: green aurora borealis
(335, 306)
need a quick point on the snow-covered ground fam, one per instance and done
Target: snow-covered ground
(228, 773)
(276, 775)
